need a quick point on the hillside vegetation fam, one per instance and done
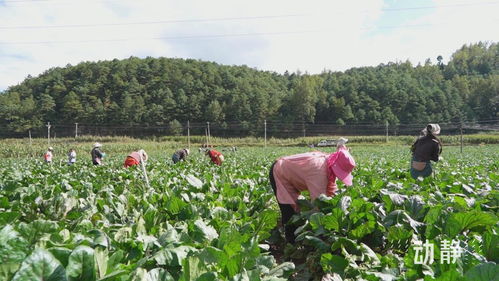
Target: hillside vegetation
(164, 91)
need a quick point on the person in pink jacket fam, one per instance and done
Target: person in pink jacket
(315, 172)
(135, 158)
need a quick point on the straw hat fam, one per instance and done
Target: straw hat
(97, 145)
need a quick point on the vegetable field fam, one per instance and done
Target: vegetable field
(198, 221)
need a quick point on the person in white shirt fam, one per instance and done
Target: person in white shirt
(71, 156)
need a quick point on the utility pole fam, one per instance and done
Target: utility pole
(386, 124)
(48, 132)
(265, 131)
(188, 136)
(206, 136)
(461, 130)
(76, 130)
(303, 127)
(209, 134)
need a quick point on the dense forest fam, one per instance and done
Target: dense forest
(164, 91)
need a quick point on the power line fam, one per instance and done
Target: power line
(162, 37)
(148, 22)
(211, 36)
(383, 9)
(23, 1)
(224, 19)
(440, 6)
(37, 1)
(275, 123)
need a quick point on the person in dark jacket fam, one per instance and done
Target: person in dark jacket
(426, 148)
(180, 155)
(97, 154)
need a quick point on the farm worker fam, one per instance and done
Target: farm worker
(313, 171)
(71, 156)
(48, 155)
(216, 156)
(97, 154)
(427, 147)
(180, 155)
(135, 158)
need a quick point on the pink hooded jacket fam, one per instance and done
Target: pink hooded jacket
(312, 171)
(341, 164)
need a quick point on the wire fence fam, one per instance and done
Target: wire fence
(268, 129)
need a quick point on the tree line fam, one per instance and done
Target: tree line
(165, 92)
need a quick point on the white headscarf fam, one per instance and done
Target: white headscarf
(341, 142)
(434, 129)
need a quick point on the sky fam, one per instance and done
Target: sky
(274, 35)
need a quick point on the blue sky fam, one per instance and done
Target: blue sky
(397, 13)
(279, 35)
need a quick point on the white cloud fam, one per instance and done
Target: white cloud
(441, 31)
(289, 35)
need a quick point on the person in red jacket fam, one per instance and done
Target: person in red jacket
(135, 158)
(216, 156)
(48, 155)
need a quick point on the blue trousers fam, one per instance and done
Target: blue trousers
(423, 173)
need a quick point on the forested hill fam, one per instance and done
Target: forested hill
(157, 91)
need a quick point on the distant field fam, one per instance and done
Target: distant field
(35, 148)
